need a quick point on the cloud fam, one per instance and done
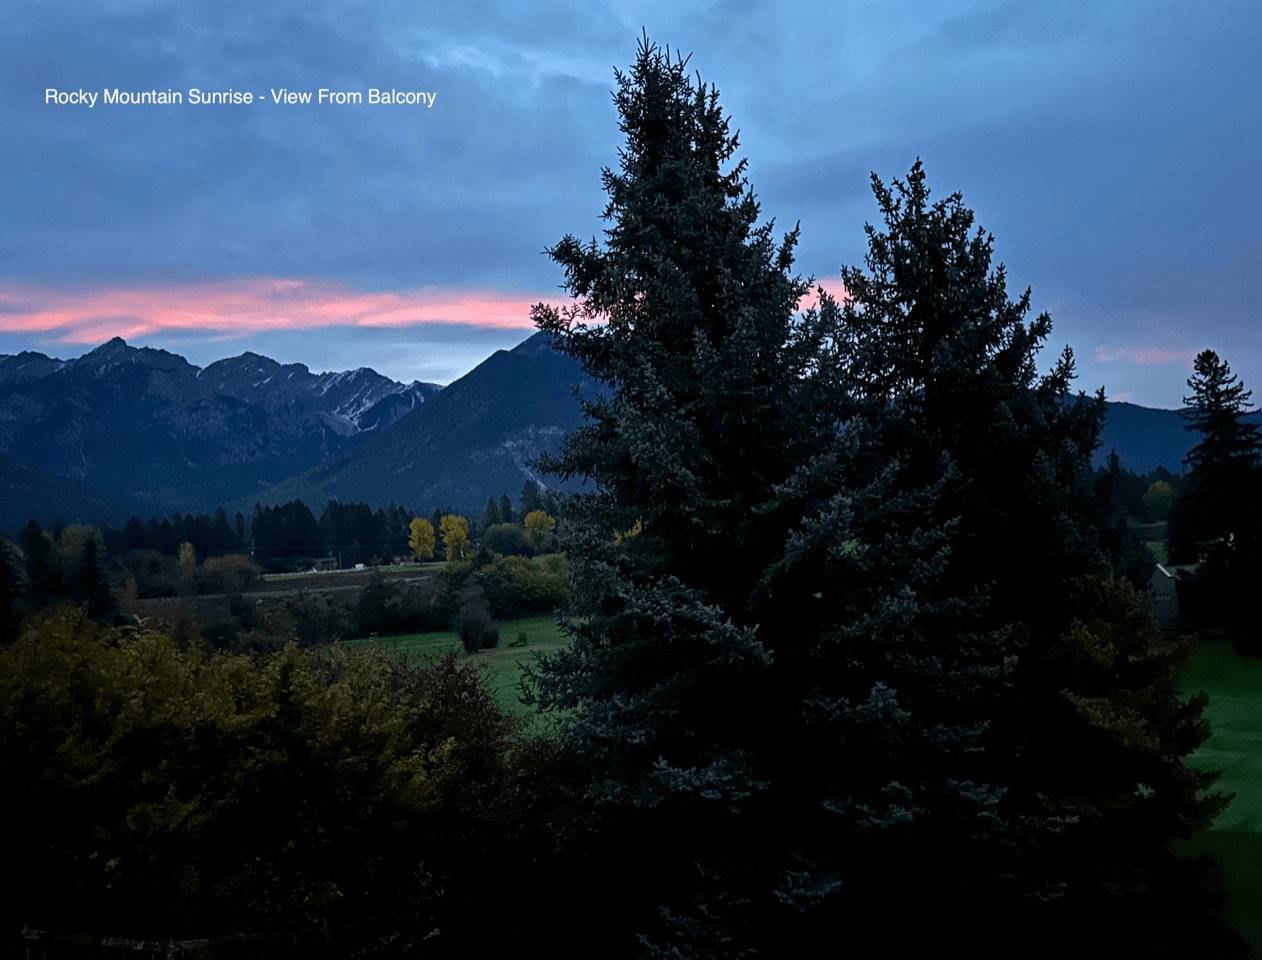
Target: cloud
(237, 308)
(1143, 355)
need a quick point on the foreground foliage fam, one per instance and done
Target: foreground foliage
(292, 800)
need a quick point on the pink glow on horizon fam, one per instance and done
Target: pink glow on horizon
(1143, 355)
(244, 306)
(238, 308)
(836, 289)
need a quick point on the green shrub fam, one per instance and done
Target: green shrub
(473, 621)
(508, 540)
(517, 587)
(291, 800)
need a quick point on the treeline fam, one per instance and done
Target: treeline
(291, 536)
(211, 561)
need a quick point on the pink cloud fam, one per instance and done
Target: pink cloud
(1143, 355)
(832, 286)
(243, 306)
(240, 307)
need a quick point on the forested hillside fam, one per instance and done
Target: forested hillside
(474, 440)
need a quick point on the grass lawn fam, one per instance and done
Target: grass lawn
(1234, 685)
(501, 665)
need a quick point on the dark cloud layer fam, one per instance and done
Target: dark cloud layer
(1107, 146)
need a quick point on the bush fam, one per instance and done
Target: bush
(516, 587)
(233, 574)
(155, 575)
(473, 620)
(508, 540)
(293, 801)
(388, 607)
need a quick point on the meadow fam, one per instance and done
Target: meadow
(520, 641)
(1234, 685)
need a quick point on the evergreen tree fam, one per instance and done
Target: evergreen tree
(1218, 520)
(551, 504)
(491, 515)
(931, 330)
(1115, 777)
(222, 536)
(798, 702)
(164, 539)
(43, 571)
(530, 501)
(506, 510)
(90, 586)
(436, 521)
(12, 589)
(745, 664)
(133, 537)
(1217, 408)
(1115, 492)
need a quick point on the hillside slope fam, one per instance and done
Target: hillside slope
(1146, 438)
(472, 441)
(149, 424)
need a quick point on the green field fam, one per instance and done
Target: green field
(1234, 685)
(501, 666)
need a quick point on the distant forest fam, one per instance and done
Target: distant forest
(291, 537)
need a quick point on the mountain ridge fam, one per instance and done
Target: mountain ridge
(141, 426)
(474, 440)
(149, 424)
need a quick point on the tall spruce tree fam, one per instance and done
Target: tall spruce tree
(491, 515)
(1218, 520)
(12, 590)
(89, 585)
(930, 329)
(833, 556)
(778, 713)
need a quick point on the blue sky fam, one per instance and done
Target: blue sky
(1108, 147)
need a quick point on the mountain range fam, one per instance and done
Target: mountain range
(150, 424)
(124, 431)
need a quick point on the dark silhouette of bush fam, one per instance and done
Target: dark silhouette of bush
(156, 575)
(473, 620)
(232, 574)
(508, 540)
(387, 607)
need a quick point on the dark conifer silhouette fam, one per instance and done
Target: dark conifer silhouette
(817, 594)
(1217, 522)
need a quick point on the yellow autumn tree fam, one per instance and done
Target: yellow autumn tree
(422, 539)
(538, 527)
(455, 532)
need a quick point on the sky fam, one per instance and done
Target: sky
(1110, 148)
